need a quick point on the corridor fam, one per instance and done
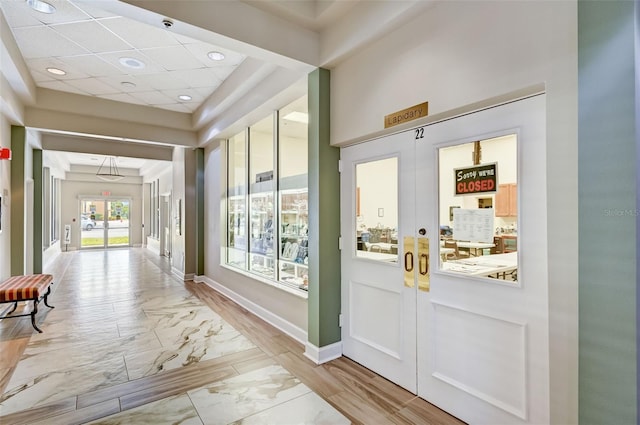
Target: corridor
(129, 343)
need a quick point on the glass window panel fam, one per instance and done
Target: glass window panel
(261, 198)
(478, 201)
(376, 210)
(237, 201)
(293, 192)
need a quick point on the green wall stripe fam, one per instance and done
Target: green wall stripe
(324, 217)
(200, 229)
(607, 152)
(18, 146)
(37, 211)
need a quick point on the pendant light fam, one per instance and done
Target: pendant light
(112, 174)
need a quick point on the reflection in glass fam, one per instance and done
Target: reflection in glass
(376, 210)
(261, 198)
(478, 208)
(293, 193)
(236, 204)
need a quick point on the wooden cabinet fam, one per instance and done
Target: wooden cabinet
(507, 200)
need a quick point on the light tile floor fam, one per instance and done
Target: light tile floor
(119, 317)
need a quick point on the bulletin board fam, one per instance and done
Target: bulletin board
(475, 225)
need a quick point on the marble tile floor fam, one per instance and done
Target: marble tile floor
(127, 342)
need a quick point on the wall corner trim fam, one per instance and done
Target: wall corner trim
(325, 354)
(181, 275)
(285, 326)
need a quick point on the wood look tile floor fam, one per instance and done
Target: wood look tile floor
(129, 343)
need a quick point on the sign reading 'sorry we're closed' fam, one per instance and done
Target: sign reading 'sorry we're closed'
(476, 179)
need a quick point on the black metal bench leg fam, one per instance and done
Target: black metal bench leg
(15, 305)
(46, 296)
(33, 315)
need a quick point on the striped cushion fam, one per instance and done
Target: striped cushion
(28, 287)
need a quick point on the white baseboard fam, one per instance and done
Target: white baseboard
(285, 326)
(320, 355)
(177, 273)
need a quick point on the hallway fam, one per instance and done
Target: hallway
(129, 343)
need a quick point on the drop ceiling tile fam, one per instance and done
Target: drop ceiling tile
(61, 86)
(114, 58)
(201, 50)
(223, 72)
(203, 77)
(153, 98)
(92, 65)
(18, 14)
(164, 81)
(205, 92)
(173, 58)
(123, 97)
(139, 35)
(116, 81)
(65, 12)
(39, 77)
(92, 86)
(96, 12)
(41, 65)
(92, 36)
(173, 94)
(39, 42)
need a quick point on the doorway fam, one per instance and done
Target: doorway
(427, 299)
(104, 223)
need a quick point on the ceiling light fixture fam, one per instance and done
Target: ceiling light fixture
(216, 56)
(41, 6)
(56, 71)
(113, 174)
(297, 117)
(132, 63)
(184, 97)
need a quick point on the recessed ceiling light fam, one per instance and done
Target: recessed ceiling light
(56, 71)
(132, 63)
(216, 56)
(184, 97)
(297, 117)
(128, 84)
(41, 6)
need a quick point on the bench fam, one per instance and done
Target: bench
(26, 288)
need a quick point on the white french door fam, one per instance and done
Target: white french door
(465, 328)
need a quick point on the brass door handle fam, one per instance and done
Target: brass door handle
(424, 257)
(408, 261)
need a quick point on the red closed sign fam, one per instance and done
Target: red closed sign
(476, 179)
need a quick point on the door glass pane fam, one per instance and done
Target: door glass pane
(261, 198)
(478, 208)
(236, 201)
(91, 223)
(293, 191)
(376, 210)
(118, 223)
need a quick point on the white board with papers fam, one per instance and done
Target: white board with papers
(474, 225)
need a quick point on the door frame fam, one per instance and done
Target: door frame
(105, 227)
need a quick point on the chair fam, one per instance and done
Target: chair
(499, 245)
(456, 254)
(375, 248)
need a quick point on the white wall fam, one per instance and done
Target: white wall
(5, 184)
(461, 52)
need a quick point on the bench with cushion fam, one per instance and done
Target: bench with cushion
(33, 287)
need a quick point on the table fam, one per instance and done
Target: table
(475, 246)
(484, 265)
(380, 256)
(384, 246)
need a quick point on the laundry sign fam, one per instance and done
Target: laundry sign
(477, 179)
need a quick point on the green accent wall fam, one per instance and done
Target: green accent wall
(37, 211)
(324, 217)
(200, 229)
(608, 215)
(18, 148)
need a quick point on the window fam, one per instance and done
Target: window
(478, 208)
(267, 210)
(154, 205)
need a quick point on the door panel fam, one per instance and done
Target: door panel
(377, 212)
(464, 327)
(483, 351)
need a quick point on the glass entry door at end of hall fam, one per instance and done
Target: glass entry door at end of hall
(104, 223)
(444, 287)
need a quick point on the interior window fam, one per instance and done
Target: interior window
(478, 208)
(376, 210)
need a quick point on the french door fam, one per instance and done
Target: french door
(104, 223)
(431, 300)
